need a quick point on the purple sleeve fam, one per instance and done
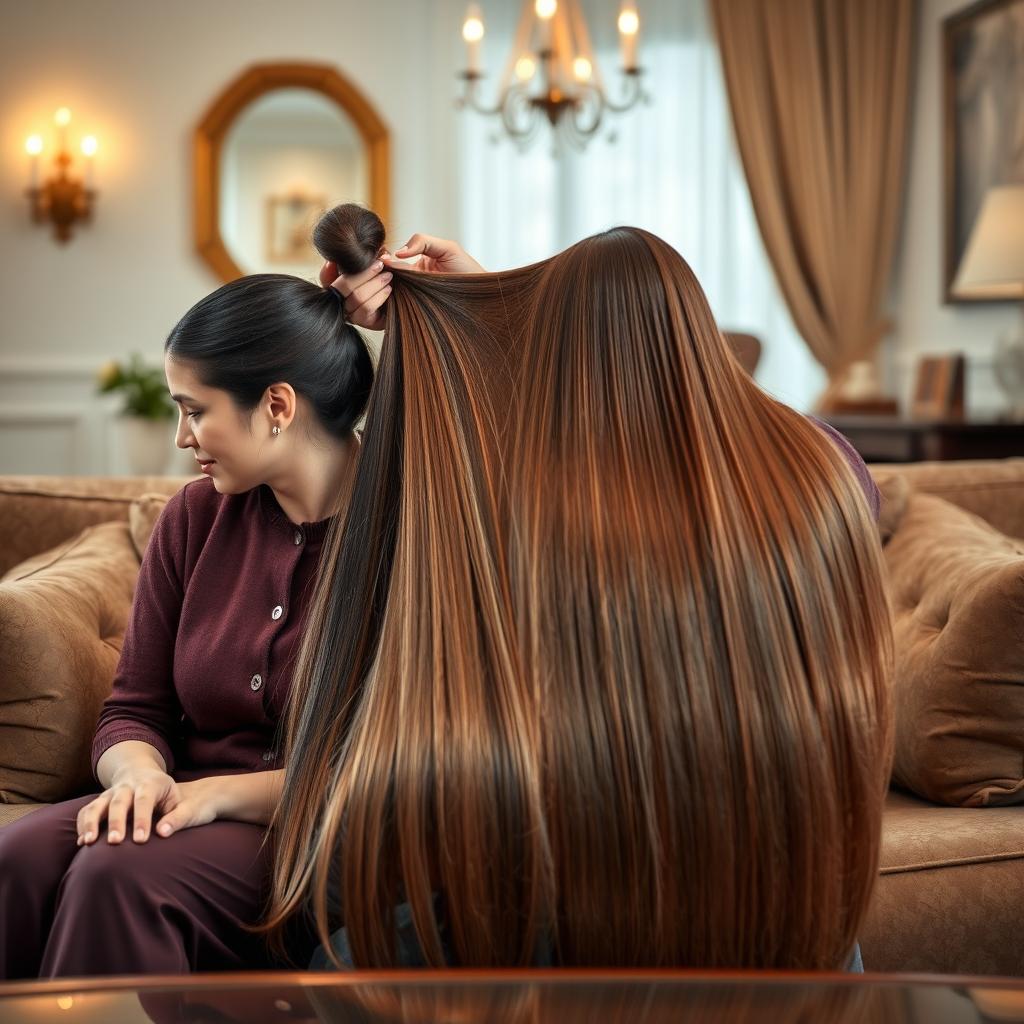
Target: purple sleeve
(143, 704)
(867, 483)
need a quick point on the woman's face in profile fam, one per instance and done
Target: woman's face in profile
(219, 433)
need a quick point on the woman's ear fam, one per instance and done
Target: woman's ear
(281, 405)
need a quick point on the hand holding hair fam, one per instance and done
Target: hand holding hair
(437, 256)
(364, 294)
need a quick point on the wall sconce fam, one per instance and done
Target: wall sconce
(62, 200)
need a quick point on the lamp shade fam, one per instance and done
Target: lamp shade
(994, 257)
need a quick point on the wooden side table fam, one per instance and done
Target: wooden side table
(890, 439)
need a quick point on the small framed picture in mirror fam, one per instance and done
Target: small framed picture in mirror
(290, 221)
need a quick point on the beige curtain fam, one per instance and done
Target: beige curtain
(819, 92)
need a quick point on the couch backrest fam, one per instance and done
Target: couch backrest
(992, 489)
(38, 512)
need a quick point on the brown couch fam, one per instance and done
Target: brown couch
(951, 892)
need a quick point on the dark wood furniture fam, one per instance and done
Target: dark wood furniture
(890, 439)
(529, 997)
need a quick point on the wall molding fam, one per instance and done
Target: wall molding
(58, 393)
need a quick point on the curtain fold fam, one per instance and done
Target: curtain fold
(819, 93)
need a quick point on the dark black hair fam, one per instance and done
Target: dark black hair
(265, 328)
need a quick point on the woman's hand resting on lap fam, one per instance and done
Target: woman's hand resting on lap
(144, 792)
(366, 293)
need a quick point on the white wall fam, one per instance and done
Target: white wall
(140, 75)
(923, 324)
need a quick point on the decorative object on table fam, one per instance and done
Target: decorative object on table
(993, 266)
(62, 200)
(290, 221)
(983, 87)
(145, 419)
(551, 73)
(1008, 368)
(307, 97)
(939, 388)
(860, 393)
(746, 348)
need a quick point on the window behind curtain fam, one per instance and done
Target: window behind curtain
(672, 168)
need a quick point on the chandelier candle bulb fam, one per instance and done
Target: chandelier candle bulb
(545, 11)
(525, 67)
(472, 33)
(629, 25)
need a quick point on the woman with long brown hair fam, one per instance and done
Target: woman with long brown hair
(596, 670)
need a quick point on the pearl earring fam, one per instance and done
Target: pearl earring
(276, 430)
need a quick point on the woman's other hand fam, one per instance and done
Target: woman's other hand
(437, 256)
(136, 790)
(191, 804)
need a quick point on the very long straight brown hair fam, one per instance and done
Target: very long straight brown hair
(597, 665)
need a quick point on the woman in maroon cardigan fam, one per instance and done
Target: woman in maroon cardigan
(269, 380)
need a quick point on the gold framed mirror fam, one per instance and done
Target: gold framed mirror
(281, 143)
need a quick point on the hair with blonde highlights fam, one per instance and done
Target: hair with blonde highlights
(597, 663)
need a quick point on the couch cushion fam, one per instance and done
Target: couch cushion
(143, 513)
(950, 896)
(895, 492)
(62, 618)
(957, 588)
(12, 812)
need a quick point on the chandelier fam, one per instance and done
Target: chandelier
(551, 72)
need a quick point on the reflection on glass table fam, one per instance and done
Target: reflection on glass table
(530, 997)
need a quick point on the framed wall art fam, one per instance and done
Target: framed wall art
(290, 221)
(983, 99)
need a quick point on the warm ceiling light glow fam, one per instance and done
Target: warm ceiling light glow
(525, 68)
(63, 116)
(629, 22)
(582, 69)
(89, 145)
(472, 29)
(545, 8)
(34, 145)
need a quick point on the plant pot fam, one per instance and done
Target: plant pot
(146, 444)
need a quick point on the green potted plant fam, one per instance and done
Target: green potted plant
(146, 413)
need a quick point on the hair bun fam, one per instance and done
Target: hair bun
(350, 236)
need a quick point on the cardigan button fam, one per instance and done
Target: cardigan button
(269, 755)
(298, 537)
(277, 612)
(256, 682)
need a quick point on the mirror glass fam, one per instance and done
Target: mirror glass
(289, 155)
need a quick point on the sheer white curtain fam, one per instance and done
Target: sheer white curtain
(672, 168)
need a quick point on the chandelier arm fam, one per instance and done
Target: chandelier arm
(590, 100)
(514, 103)
(634, 93)
(471, 96)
